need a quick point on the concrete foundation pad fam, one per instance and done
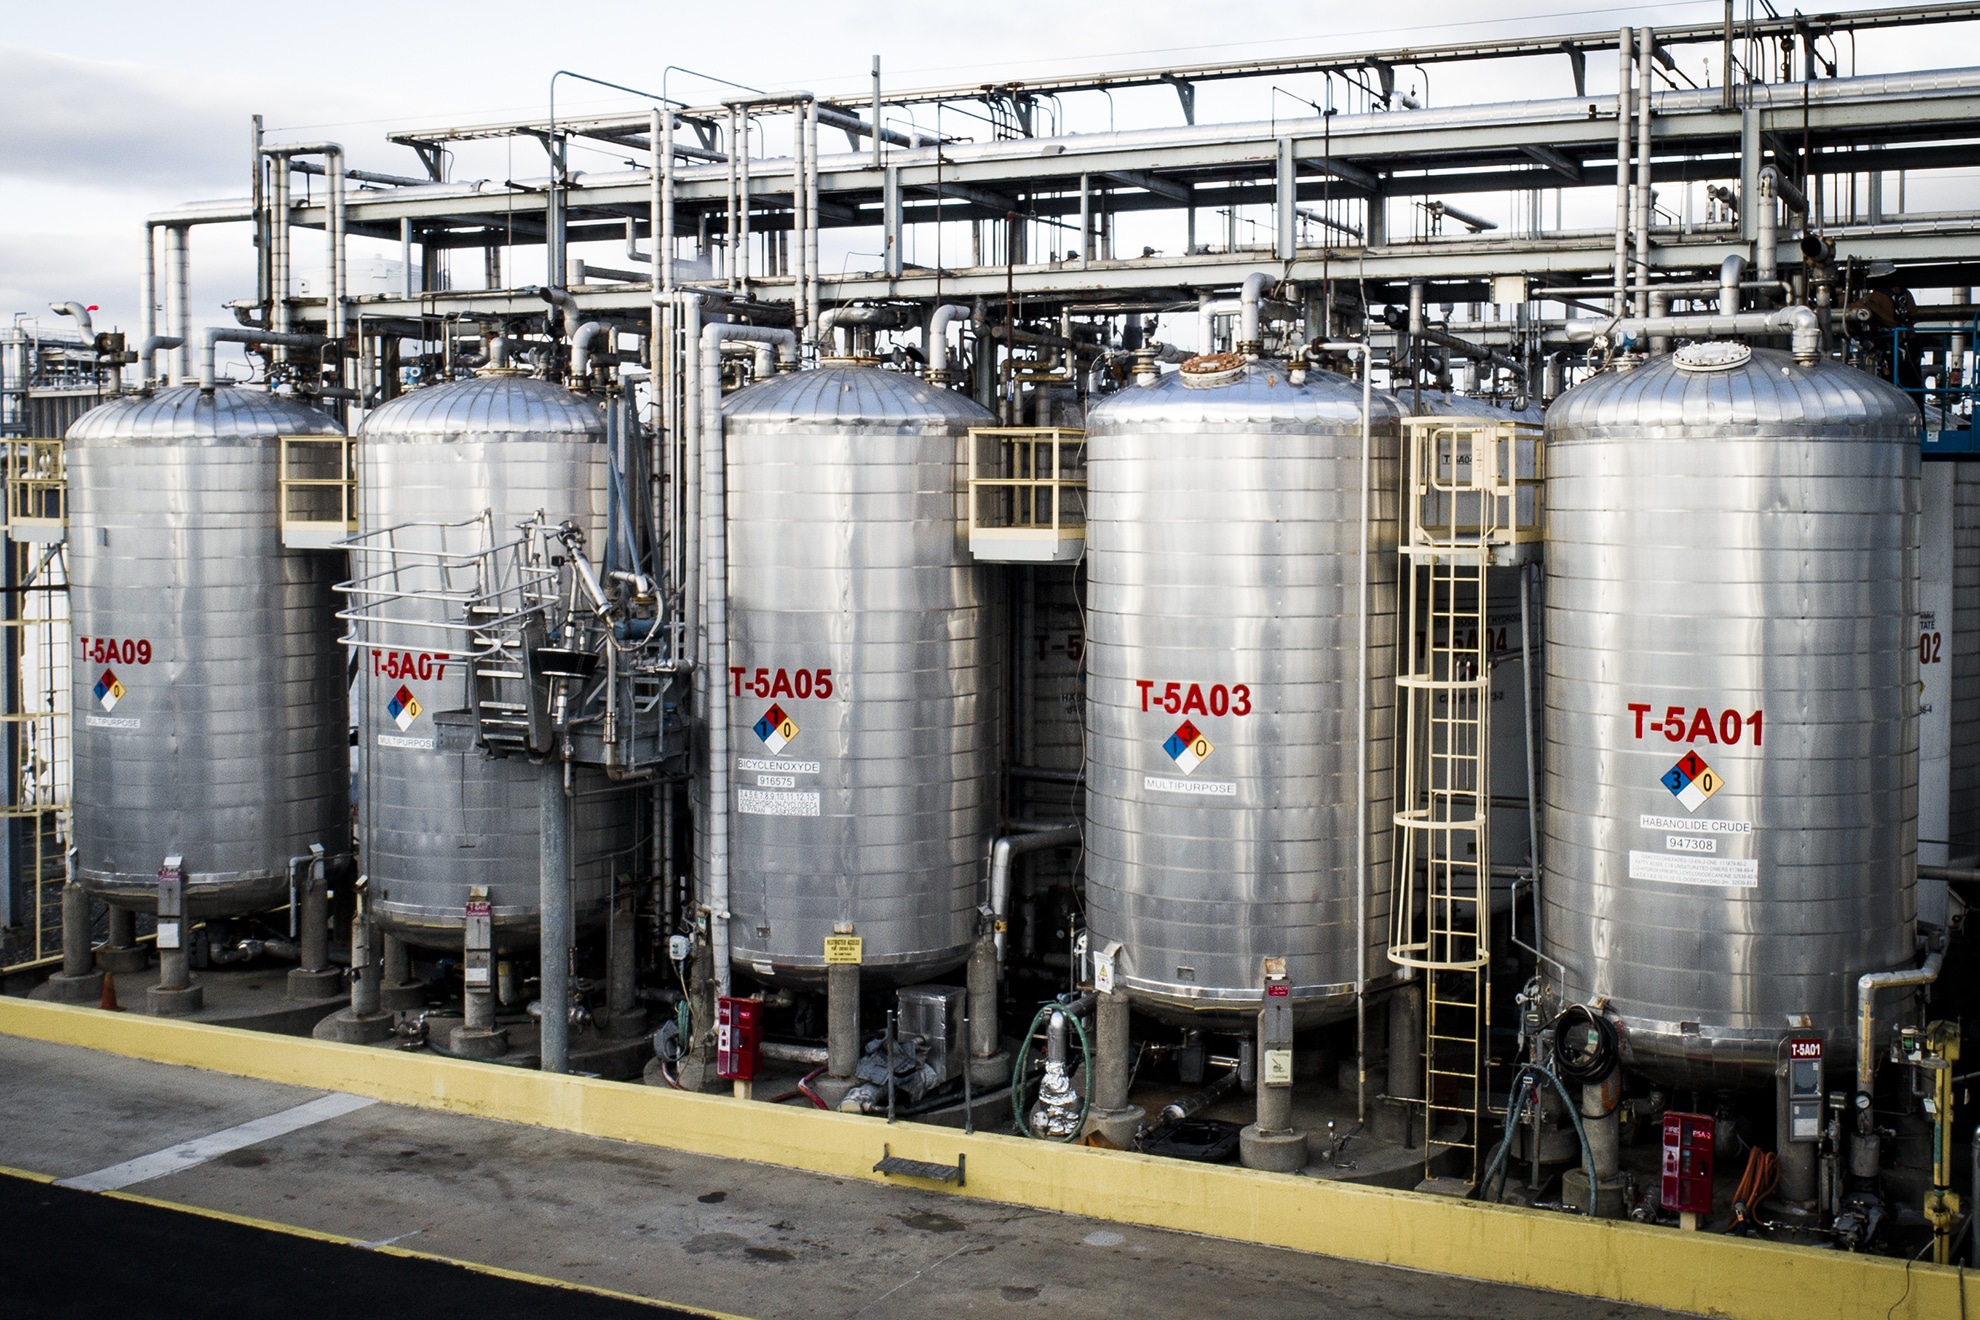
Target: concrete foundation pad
(1396, 1121)
(1609, 1203)
(127, 959)
(1118, 1126)
(992, 1072)
(832, 1090)
(323, 983)
(352, 1029)
(63, 989)
(161, 1002)
(626, 1026)
(1274, 1152)
(622, 1058)
(400, 998)
(474, 1043)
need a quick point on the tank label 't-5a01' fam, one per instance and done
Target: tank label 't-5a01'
(1688, 724)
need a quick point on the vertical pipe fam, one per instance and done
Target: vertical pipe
(715, 581)
(260, 199)
(333, 162)
(1361, 764)
(663, 253)
(1646, 43)
(876, 112)
(76, 959)
(741, 149)
(178, 314)
(405, 253)
(1085, 221)
(729, 253)
(1726, 76)
(621, 966)
(148, 293)
(800, 180)
(278, 245)
(1624, 65)
(811, 214)
(554, 897)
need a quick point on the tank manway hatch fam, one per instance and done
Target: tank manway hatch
(1027, 495)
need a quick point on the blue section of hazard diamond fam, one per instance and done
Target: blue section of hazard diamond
(1674, 779)
(1174, 747)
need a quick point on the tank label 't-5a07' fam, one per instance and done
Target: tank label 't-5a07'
(1688, 724)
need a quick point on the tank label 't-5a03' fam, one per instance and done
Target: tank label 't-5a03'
(1194, 698)
(1688, 724)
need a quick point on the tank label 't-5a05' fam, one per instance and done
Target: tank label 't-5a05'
(766, 683)
(1688, 724)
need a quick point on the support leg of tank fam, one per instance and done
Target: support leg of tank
(1271, 1143)
(841, 1033)
(1397, 1115)
(554, 957)
(120, 951)
(1111, 1115)
(79, 981)
(624, 1017)
(989, 1061)
(175, 995)
(401, 990)
(364, 1022)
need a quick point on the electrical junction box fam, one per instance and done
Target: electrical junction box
(933, 1015)
(1687, 1174)
(1804, 1068)
(171, 903)
(738, 1038)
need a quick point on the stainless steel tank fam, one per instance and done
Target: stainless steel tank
(1224, 562)
(438, 818)
(1731, 732)
(207, 685)
(863, 688)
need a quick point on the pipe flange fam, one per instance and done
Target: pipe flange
(1207, 370)
(1713, 355)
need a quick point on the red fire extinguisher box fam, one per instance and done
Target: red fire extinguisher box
(1688, 1163)
(736, 1038)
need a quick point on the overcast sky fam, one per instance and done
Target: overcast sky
(115, 109)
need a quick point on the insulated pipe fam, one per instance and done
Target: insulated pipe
(1623, 71)
(729, 252)
(581, 344)
(1002, 850)
(1249, 343)
(740, 150)
(811, 215)
(333, 229)
(1646, 45)
(81, 313)
(148, 295)
(663, 221)
(1766, 245)
(1731, 271)
(148, 354)
(1801, 322)
(1867, 987)
(178, 315)
(278, 245)
(565, 303)
(314, 926)
(1206, 323)
(938, 339)
(800, 179)
(1660, 306)
(715, 575)
(554, 898)
(215, 334)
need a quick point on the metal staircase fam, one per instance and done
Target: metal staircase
(1471, 500)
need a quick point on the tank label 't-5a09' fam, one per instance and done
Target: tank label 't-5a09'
(1688, 724)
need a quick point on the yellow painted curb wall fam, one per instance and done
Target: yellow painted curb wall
(1704, 1273)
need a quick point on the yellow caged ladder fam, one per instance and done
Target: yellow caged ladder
(1471, 502)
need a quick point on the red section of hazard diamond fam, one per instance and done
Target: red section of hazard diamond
(1187, 733)
(1692, 766)
(403, 696)
(775, 715)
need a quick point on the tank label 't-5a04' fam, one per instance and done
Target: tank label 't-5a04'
(1687, 724)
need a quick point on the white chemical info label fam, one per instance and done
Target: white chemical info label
(752, 764)
(1719, 872)
(757, 802)
(1199, 787)
(1688, 825)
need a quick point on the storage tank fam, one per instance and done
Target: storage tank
(863, 685)
(437, 815)
(208, 691)
(1224, 566)
(1731, 730)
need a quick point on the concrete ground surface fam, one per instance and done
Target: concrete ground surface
(751, 1240)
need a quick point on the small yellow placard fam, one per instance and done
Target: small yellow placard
(842, 950)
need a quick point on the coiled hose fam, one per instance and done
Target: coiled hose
(1494, 1185)
(1586, 1048)
(1024, 1059)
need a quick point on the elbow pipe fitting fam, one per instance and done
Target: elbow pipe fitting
(1250, 341)
(216, 334)
(1002, 851)
(81, 313)
(870, 318)
(566, 305)
(938, 338)
(1867, 987)
(148, 353)
(581, 347)
(1731, 271)
(1801, 323)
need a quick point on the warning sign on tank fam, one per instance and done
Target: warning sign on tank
(776, 729)
(404, 708)
(1692, 782)
(108, 691)
(1188, 748)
